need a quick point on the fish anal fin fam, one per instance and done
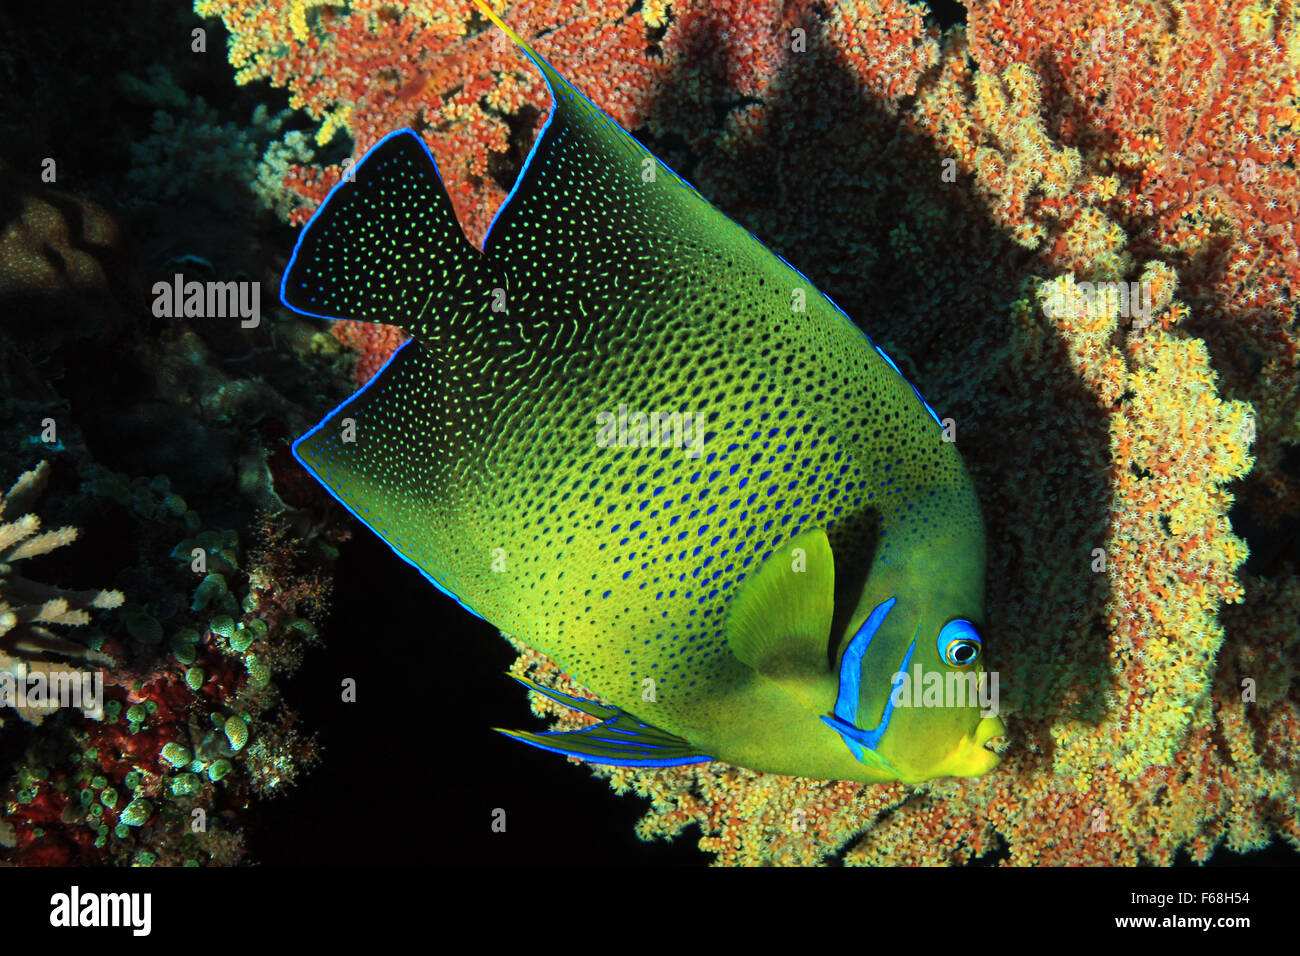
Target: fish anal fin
(779, 622)
(620, 739)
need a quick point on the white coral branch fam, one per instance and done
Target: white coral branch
(43, 544)
(25, 605)
(25, 490)
(16, 531)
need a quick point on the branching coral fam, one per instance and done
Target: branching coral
(372, 342)
(1189, 116)
(29, 609)
(951, 191)
(370, 67)
(191, 718)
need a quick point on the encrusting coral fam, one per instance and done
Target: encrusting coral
(953, 191)
(146, 425)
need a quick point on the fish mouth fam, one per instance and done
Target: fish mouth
(979, 753)
(991, 734)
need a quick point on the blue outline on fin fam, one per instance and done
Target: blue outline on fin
(584, 704)
(533, 55)
(605, 761)
(592, 708)
(350, 179)
(352, 511)
(374, 378)
(284, 278)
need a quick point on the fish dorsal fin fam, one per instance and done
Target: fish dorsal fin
(600, 229)
(596, 224)
(385, 246)
(780, 621)
(620, 739)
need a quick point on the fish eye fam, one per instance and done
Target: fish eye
(959, 644)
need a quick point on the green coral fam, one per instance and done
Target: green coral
(241, 639)
(185, 645)
(186, 785)
(258, 671)
(136, 715)
(137, 812)
(176, 754)
(213, 594)
(141, 625)
(236, 729)
(223, 625)
(304, 627)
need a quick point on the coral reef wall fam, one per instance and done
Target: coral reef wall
(160, 444)
(948, 188)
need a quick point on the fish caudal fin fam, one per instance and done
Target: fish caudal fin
(620, 739)
(385, 246)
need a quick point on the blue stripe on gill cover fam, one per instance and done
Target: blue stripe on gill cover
(846, 702)
(446, 461)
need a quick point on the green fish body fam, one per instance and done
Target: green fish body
(629, 434)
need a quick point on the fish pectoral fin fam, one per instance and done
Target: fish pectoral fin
(779, 622)
(620, 739)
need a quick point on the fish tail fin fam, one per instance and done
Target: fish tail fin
(385, 246)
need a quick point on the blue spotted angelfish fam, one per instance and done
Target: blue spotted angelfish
(629, 434)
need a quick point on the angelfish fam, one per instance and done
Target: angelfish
(746, 594)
